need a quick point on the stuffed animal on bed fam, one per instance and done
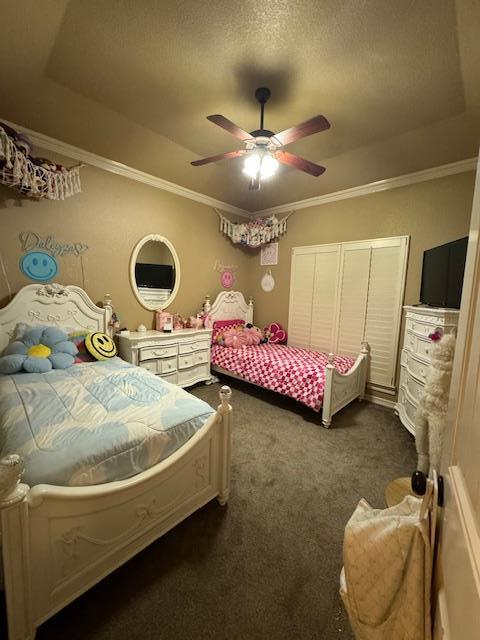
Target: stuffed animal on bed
(275, 333)
(235, 337)
(254, 334)
(239, 336)
(39, 350)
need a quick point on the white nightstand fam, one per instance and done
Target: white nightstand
(181, 357)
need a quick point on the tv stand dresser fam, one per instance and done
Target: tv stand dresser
(419, 323)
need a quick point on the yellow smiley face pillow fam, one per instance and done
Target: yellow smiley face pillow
(100, 346)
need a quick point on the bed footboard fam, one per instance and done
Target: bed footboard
(57, 542)
(342, 388)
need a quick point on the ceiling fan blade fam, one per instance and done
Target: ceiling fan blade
(229, 126)
(300, 163)
(220, 156)
(307, 128)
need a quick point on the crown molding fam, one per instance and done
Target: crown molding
(374, 187)
(68, 150)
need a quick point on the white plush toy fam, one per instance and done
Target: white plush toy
(432, 409)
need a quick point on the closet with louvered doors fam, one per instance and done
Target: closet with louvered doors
(344, 293)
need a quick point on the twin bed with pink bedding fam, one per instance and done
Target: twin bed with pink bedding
(293, 372)
(318, 380)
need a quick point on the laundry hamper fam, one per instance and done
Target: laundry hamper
(386, 579)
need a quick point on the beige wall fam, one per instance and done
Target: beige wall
(431, 213)
(111, 215)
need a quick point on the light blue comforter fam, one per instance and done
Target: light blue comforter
(95, 422)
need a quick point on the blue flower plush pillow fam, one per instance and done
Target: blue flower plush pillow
(39, 350)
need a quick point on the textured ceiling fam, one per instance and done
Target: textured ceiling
(134, 80)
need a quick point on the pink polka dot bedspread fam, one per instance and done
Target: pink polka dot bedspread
(293, 372)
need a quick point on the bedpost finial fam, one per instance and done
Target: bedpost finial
(250, 301)
(207, 305)
(365, 347)
(225, 394)
(331, 359)
(11, 470)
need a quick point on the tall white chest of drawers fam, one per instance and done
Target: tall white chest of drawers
(181, 357)
(419, 323)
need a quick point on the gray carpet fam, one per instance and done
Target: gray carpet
(267, 566)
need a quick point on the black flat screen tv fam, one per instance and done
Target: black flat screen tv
(154, 276)
(442, 274)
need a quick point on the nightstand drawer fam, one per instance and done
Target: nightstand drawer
(417, 368)
(147, 353)
(200, 357)
(194, 374)
(167, 365)
(170, 377)
(415, 388)
(189, 347)
(409, 406)
(417, 345)
(149, 365)
(185, 361)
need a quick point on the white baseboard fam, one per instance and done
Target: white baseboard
(390, 404)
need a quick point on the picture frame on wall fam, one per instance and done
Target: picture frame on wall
(269, 254)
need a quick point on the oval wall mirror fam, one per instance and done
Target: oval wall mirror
(154, 272)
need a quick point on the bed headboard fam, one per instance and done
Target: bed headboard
(64, 306)
(230, 305)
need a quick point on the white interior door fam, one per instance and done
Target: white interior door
(458, 560)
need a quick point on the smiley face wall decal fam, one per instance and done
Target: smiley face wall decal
(226, 278)
(38, 266)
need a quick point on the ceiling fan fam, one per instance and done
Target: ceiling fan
(264, 149)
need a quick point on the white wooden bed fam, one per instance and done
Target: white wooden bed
(340, 389)
(59, 541)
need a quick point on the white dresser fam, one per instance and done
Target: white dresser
(419, 323)
(181, 357)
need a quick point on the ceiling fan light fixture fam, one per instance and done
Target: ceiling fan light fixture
(269, 166)
(260, 165)
(252, 165)
(264, 149)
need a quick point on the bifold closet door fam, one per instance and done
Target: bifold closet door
(353, 296)
(384, 308)
(313, 296)
(301, 298)
(343, 294)
(325, 287)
